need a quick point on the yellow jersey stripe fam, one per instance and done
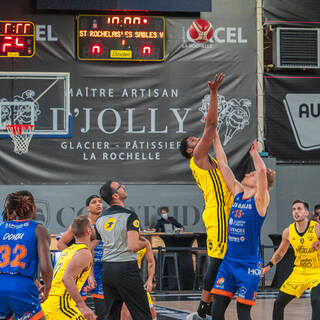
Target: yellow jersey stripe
(222, 237)
(62, 307)
(218, 201)
(222, 210)
(68, 298)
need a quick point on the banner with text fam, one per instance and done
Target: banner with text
(292, 111)
(128, 118)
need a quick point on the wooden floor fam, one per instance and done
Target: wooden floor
(298, 309)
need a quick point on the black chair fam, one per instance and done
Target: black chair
(181, 244)
(201, 267)
(201, 261)
(174, 256)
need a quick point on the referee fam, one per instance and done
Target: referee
(118, 228)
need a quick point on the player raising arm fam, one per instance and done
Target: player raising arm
(241, 268)
(218, 199)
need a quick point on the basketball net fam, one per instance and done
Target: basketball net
(21, 135)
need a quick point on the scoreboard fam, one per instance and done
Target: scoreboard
(17, 39)
(98, 37)
(120, 38)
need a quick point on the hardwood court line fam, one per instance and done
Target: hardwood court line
(298, 309)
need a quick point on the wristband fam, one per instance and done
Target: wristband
(269, 264)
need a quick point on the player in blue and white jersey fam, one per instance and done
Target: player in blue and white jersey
(240, 270)
(24, 244)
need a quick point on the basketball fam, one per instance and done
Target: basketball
(201, 30)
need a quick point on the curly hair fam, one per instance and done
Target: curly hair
(183, 148)
(20, 203)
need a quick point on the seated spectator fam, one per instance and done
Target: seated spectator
(315, 216)
(166, 223)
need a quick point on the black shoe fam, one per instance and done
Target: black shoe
(202, 309)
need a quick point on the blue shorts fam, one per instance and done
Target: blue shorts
(238, 275)
(97, 292)
(19, 296)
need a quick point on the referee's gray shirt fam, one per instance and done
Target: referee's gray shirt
(111, 228)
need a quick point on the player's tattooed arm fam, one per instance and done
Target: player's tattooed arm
(283, 247)
(277, 258)
(279, 253)
(316, 244)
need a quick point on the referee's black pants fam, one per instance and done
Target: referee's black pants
(122, 282)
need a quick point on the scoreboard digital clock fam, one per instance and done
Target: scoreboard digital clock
(120, 37)
(17, 39)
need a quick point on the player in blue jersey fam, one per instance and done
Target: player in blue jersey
(240, 270)
(24, 244)
(94, 207)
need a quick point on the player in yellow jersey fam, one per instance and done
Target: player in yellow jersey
(69, 275)
(147, 252)
(304, 236)
(218, 199)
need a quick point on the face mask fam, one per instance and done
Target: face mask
(164, 216)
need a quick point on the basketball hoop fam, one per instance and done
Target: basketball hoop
(21, 135)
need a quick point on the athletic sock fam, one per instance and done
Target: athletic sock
(202, 309)
(209, 309)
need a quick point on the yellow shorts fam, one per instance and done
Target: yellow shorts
(215, 249)
(149, 300)
(215, 229)
(62, 308)
(300, 280)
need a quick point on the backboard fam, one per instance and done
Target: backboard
(37, 98)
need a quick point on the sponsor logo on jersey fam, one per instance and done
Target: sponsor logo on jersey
(109, 224)
(242, 292)
(220, 283)
(239, 231)
(254, 272)
(302, 249)
(306, 263)
(136, 223)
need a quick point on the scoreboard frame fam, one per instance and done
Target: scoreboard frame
(121, 38)
(14, 38)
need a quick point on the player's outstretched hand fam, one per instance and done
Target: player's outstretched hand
(148, 285)
(264, 270)
(91, 283)
(87, 312)
(254, 147)
(316, 245)
(216, 82)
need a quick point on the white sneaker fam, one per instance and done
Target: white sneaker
(195, 316)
